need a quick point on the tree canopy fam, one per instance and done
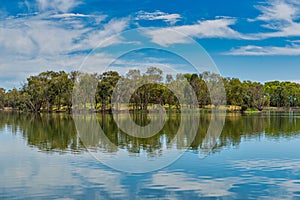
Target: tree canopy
(52, 91)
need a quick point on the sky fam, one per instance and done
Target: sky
(249, 39)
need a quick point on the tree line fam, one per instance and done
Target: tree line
(52, 91)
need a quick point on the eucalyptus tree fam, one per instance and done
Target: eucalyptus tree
(105, 87)
(255, 97)
(134, 76)
(2, 97)
(235, 92)
(168, 97)
(36, 92)
(13, 98)
(152, 78)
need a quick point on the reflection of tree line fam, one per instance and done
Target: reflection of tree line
(58, 133)
(248, 126)
(47, 132)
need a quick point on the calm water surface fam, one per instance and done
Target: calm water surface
(257, 156)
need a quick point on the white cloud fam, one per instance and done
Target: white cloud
(293, 29)
(34, 36)
(102, 37)
(31, 44)
(217, 28)
(57, 5)
(166, 36)
(66, 15)
(15, 70)
(158, 15)
(277, 10)
(251, 50)
(280, 17)
(71, 16)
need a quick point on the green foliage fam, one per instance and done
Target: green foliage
(52, 91)
(105, 88)
(283, 94)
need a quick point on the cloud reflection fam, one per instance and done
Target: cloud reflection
(203, 186)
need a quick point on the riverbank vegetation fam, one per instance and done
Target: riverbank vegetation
(52, 92)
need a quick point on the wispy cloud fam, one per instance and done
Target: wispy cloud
(57, 5)
(252, 50)
(158, 15)
(67, 15)
(30, 43)
(45, 35)
(280, 17)
(90, 39)
(217, 28)
(278, 11)
(52, 33)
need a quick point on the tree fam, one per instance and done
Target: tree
(36, 93)
(215, 86)
(151, 78)
(13, 99)
(255, 97)
(50, 91)
(200, 89)
(2, 98)
(235, 92)
(105, 88)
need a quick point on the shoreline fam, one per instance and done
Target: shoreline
(229, 109)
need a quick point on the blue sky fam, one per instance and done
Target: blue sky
(255, 40)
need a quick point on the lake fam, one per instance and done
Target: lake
(43, 157)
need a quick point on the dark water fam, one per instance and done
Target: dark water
(256, 156)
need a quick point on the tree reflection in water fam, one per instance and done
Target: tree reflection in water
(57, 132)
